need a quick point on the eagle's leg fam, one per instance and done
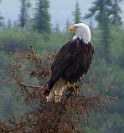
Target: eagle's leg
(72, 86)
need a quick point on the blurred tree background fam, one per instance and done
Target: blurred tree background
(108, 64)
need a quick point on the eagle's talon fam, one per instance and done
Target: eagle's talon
(72, 87)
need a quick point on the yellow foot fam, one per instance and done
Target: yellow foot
(72, 87)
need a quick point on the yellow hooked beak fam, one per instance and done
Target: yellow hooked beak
(72, 28)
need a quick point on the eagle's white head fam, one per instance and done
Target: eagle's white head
(82, 32)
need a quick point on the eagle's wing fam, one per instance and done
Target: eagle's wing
(65, 56)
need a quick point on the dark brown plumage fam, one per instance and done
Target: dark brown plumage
(72, 61)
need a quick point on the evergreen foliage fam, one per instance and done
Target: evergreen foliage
(106, 13)
(77, 13)
(9, 24)
(105, 9)
(42, 18)
(23, 17)
(57, 28)
(1, 19)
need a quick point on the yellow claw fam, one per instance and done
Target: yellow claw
(73, 87)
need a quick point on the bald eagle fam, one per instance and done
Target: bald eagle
(71, 62)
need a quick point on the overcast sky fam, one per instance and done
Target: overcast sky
(60, 10)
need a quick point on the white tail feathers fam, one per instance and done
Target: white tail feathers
(56, 91)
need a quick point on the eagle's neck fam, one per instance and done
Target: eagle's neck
(81, 41)
(85, 41)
